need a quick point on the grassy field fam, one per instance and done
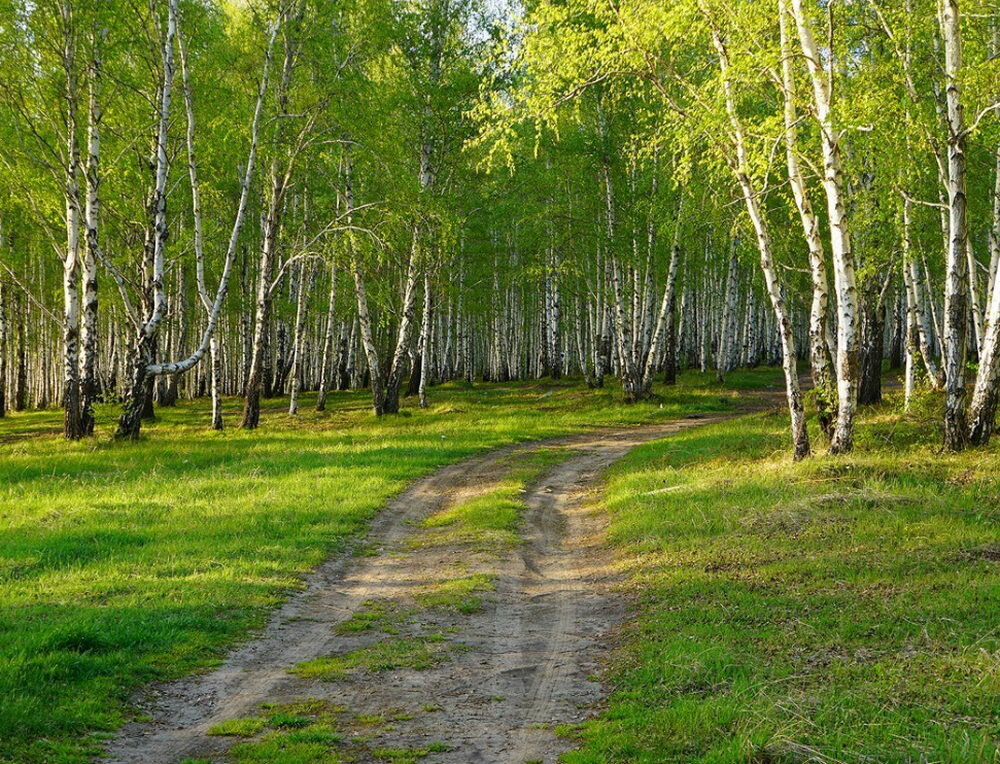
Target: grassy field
(122, 564)
(838, 610)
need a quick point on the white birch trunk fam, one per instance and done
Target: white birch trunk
(848, 365)
(72, 428)
(824, 377)
(325, 365)
(142, 353)
(88, 328)
(800, 435)
(957, 275)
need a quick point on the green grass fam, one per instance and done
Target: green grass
(417, 653)
(839, 610)
(383, 615)
(126, 563)
(408, 755)
(247, 726)
(490, 520)
(458, 594)
(313, 732)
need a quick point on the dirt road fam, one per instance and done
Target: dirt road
(485, 678)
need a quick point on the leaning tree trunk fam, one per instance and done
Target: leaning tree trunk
(255, 376)
(397, 367)
(800, 434)
(139, 392)
(821, 364)
(982, 412)
(665, 330)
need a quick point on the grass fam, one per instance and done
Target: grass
(246, 726)
(838, 610)
(408, 755)
(490, 520)
(383, 615)
(458, 594)
(313, 732)
(126, 563)
(298, 733)
(418, 653)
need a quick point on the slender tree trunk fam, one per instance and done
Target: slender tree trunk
(914, 283)
(630, 380)
(800, 434)
(88, 328)
(425, 340)
(665, 328)
(982, 412)
(325, 365)
(912, 348)
(280, 179)
(823, 374)
(723, 352)
(139, 389)
(396, 369)
(872, 348)
(848, 367)
(957, 275)
(305, 276)
(4, 344)
(21, 356)
(73, 428)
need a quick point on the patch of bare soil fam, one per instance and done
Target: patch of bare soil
(488, 681)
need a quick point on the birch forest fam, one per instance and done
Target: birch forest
(253, 200)
(240, 237)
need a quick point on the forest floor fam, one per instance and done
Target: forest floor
(127, 564)
(843, 609)
(837, 610)
(473, 623)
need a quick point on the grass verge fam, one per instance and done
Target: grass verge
(837, 610)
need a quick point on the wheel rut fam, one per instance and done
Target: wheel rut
(499, 675)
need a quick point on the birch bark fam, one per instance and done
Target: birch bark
(823, 375)
(139, 390)
(800, 435)
(957, 275)
(88, 327)
(72, 414)
(845, 282)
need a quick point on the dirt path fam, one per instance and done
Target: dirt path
(484, 682)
